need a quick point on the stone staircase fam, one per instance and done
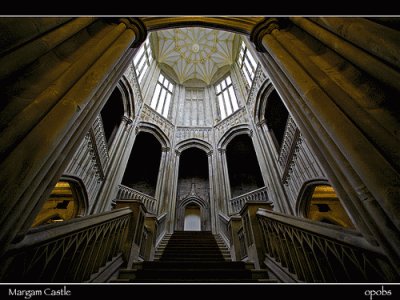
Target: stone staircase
(192, 256)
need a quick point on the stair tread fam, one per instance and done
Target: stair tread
(192, 257)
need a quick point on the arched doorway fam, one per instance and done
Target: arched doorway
(193, 192)
(243, 167)
(143, 165)
(192, 221)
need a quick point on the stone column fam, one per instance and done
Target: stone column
(173, 193)
(361, 161)
(40, 137)
(162, 181)
(226, 187)
(211, 181)
(275, 188)
(118, 157)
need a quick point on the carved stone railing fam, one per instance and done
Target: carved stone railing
(101, 144)
(308, 251)
(72, 251)
(128, 193)
(86, 165)
(130, 75)
(289, 143)
(224, 228)
(236, 203)
(258, 80)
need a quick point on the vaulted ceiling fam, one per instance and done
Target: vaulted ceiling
(194, 52)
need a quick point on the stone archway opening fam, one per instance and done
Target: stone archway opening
(193, 191)
(243, 167)
(142, 170)
(192, 221)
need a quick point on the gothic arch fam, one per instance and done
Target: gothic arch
(196, 143)
(204, 211)
(301, 202)
(232, 133)
(127, 97)
(261, 101)
(193, 199)
(154, 130)
(80, 192)
(238, 25)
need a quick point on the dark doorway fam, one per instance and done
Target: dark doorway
(143, 166)
(243, 168)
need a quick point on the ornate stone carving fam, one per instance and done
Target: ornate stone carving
(202, 133)
(238, 117)
(151, 116)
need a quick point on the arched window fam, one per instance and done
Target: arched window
(161, 100)
(66, 201)
(247, 64)
(226, 97)
(112, 114)
(321, 203)
(276, 116)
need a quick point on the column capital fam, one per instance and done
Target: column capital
(138, 27)
(127, 120)
(260, 123)
(221, 150)
(209, 153)
(165, 149)
(177, 152)
(265, 27)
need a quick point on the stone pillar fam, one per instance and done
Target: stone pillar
(211, 181)
(173, 192)
(226, 186)
(339, 118)
(162, 181)
(43, 126)
(118, 157)
(275, 188)
(253, 232)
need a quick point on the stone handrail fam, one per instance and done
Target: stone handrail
(71, 251)
(127, 193)
(318, 252)
(236, 203)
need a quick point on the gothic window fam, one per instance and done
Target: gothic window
(142, 60)
(276, 116)
(226, 98)
(247, 64)
(194, 110)
(162, 96)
